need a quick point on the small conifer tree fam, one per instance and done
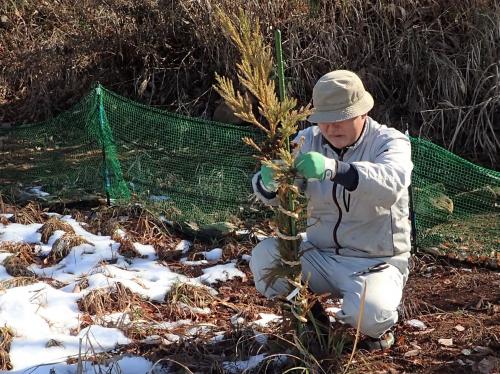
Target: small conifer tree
(278, 120)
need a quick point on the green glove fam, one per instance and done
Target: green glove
(311, 165)
(267, 176)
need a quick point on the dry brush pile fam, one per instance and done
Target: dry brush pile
(431, 63)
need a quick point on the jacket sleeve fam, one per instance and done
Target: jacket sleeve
(384, 181)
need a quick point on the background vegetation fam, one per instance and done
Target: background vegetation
(431, 64)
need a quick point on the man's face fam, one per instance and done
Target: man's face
(343, 133)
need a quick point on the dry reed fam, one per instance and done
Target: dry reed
(186, 300)
(17, 267)
(15, 247)
(62, 247)
(17, 282)
(431, 63)
(51, 226)
(30, 213)
(6, 336)
(127, 248)
(103, 301)
(23, 256)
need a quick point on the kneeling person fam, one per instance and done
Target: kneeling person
(357, 174)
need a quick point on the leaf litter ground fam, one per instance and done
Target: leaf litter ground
(450, 316)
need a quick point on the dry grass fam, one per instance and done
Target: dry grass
(104, 301)
(51, 226)
(187, 300)
(23, 256)
(77, 214)
(6, 336)
(4, 208)
(106, 220)
(82, 284)
(23, 251)
(16, 247)
(30, 213)
(430, 63)
(127, 248)
(62, 247)
(147, 229)
(110, 227)
(17, 267)
(2, 204)
(17, 282)
(140, 225)
(168, 254)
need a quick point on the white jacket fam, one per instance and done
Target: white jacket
(373, 220)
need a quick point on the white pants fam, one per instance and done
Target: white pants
(334, 274)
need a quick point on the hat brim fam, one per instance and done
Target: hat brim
(363, 106)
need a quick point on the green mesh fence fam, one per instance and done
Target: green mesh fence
(196, 170)
(199, 171)
(188, 169)
(62, 154)
(456, 204)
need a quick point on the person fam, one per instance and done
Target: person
(357, 173)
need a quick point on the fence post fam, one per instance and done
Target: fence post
(282, 93)
(413, 218)
(114, 183)
(102, 120)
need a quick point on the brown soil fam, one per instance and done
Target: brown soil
(458, 303)
(446, 298)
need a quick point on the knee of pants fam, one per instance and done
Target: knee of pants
(313, 265)
(264, 255)
(376, 319)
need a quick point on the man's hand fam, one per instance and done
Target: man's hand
(267, 177)
(311, 165)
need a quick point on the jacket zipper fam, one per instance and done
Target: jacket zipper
(334, 195)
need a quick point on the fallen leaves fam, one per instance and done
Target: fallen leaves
(459, 328)
(412, 353)
(446, 342)
(416, 324)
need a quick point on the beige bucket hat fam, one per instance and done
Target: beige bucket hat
(339, 95)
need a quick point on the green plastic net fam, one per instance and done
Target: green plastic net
(62, 155)
(456, 205)
(194, 170)
(188, 169)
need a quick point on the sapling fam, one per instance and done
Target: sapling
(278, 121)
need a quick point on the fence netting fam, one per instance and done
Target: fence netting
(199, 171)
(456, 204)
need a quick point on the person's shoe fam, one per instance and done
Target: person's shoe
(384, 342)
